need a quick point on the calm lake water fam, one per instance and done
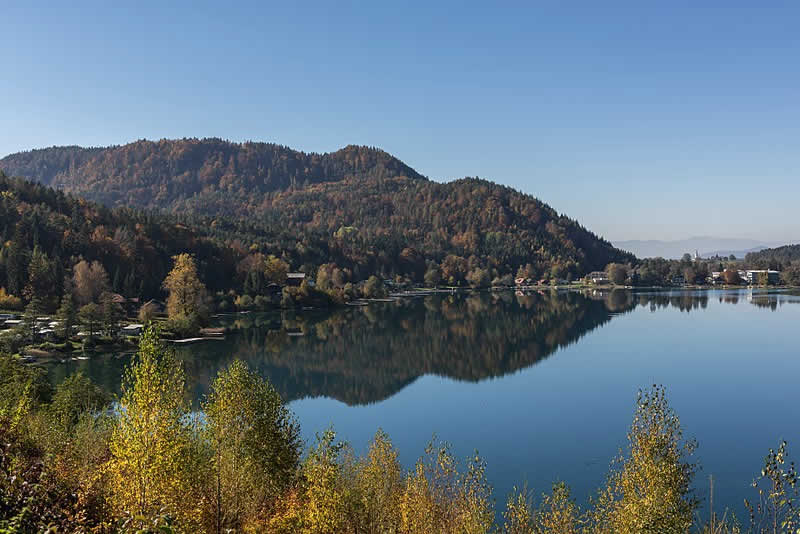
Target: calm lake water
(542, 385)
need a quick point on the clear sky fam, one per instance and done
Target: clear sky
(648, 120)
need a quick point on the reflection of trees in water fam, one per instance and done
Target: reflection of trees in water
(365, 354)
(684, 302)
(768, 302)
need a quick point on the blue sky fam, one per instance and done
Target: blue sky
(642, 120)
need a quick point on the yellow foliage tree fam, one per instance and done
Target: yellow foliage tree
(518, 518)
(379, 482)
(275, 270)
(187, 294)
(325, 506)
(438, 498)
(150, 445)
(649, 491)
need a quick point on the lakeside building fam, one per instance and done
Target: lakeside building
(598, 277)
(295, 279)
(756, 276)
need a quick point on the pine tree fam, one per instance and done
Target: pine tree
(33, 310)
(90, 318)
(112, 313)
(67, 315)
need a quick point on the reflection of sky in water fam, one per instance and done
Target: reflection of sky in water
(540, 401)
(731, 373)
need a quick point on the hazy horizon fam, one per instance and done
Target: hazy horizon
(641, 122)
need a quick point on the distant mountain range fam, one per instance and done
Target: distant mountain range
(359, 206)
(706, 246)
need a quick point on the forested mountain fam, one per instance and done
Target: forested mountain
(774, 258)
(208, 176)
(358, 207)
(46, 232)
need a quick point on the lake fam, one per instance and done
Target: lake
(542, 385)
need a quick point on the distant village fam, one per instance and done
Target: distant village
(749, 277)
(696, 271)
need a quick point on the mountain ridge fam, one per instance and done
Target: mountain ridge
(360, 204)
(181, 168)
(706, 246)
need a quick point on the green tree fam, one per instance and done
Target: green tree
(67, 316)
(90, 316)
(75, 396)
(33, 311)
(112, 313)
(255, 442)
(16, 264)
(40, 276)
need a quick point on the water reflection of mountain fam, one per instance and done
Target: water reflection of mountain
(365, 354)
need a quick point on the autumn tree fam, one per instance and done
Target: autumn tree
(147, 312)
(731, 277)
(373, 288)
(275, 270)
(89, 281)
(689, 275)
(438, 497)
(617, 273)
(149, 445)
(518, 515)
(649, 489)
(187, 295)
(478, 278)
(325, 506)
(454, 269)
(379, 481)
(330, 276)
(433, 276)
(557, 513)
